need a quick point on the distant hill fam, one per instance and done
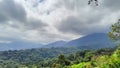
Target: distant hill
(92, 41)
(56, 44)
(18, 45)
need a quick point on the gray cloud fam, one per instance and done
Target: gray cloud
(75, 25)
(113, 5)
(71, 4)
(78, 19)
(78, 4)
(14, 21)
(9, 10)
(89, 18)
(14, 12)
(35, 24)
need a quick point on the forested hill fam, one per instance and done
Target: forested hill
(50, 58)
(33, 56)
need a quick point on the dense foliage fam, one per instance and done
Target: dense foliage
(85, 58)
(101, 61)
(42, 57)
(51, 58)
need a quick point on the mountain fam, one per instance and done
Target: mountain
(91, 41)
(18, 45)
(56, 44)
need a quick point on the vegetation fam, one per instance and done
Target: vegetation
(50, 58)
(115, 31)
(101, 61)
(43, 57)
(86, 58)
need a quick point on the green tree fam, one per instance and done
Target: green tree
(62, 61)
(114, 34)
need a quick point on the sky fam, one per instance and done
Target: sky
(45, 21)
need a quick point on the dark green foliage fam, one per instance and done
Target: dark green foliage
(62, 60)
(43, 57)
(50, 58)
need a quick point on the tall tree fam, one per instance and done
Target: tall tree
(114, 34)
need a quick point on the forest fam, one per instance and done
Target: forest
(61, 58)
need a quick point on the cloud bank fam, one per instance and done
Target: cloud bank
(45, 21)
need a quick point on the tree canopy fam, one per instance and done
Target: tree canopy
(114, 34)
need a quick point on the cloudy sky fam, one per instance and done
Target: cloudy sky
(45, 21)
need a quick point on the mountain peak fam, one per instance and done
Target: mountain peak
(95, 40)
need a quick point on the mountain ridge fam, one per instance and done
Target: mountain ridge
(91, 41)
(95, 40)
